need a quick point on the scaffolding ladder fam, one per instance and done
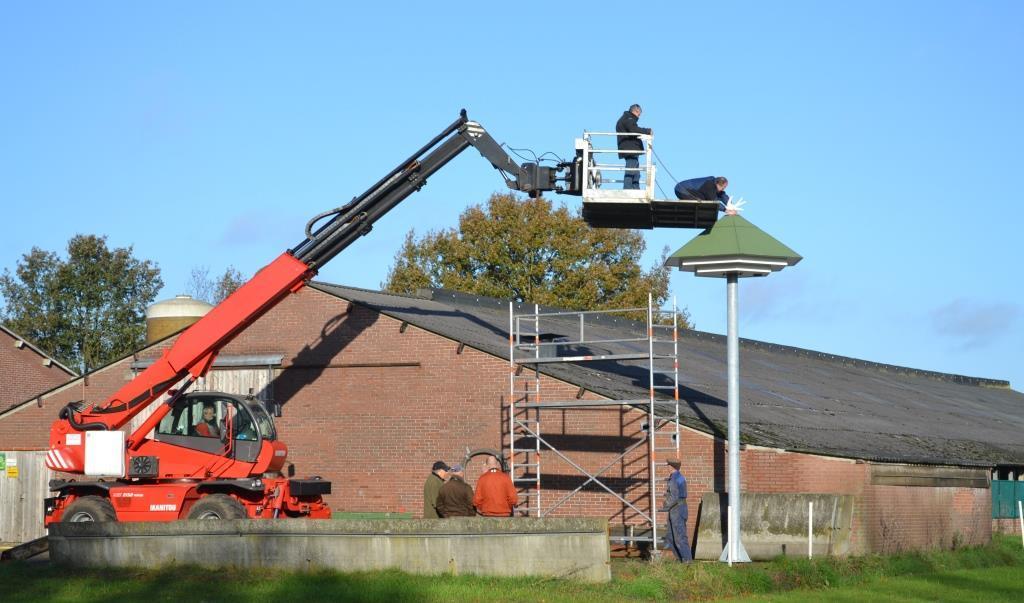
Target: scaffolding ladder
(530, 348)
(524, 418)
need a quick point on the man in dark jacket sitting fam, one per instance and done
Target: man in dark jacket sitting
(710, 188)
(632, 144)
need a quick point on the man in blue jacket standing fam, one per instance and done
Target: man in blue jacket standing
(633, 146)
(709, 188)
(676, 538)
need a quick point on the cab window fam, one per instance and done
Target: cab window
(202, 417)
(208, 417)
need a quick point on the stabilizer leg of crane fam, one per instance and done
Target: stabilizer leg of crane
(26, 550)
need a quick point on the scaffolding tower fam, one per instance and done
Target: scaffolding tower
(537, 339)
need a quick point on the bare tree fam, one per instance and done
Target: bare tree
(200, 286)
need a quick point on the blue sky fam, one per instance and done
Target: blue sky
(880, 140)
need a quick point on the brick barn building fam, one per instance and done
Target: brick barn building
(374, 387)
(25, 370)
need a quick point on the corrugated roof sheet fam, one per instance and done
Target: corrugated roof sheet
(793, 399)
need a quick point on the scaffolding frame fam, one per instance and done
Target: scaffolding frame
(528, 351)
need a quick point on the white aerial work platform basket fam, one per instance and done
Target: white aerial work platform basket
(607, 205)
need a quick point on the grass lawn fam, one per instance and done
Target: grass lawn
(992, 573)
(989, 585)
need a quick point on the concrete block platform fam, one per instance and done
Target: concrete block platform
(574, 548)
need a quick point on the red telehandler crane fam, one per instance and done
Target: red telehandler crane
(215, 455)
(210, 455)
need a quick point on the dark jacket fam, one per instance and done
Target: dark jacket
(455, 499)
(430, 490)
(627, 123)
(701, 189)
(675, 491)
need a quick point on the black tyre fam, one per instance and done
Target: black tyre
(217, 506)
(89, 508)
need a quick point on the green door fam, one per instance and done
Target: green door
(1005, 494)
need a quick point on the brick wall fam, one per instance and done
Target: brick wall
(1006, 526)
(27, 427)
(370, 405)
(899, 518)
(23, 373)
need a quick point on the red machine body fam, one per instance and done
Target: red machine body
(168, 466)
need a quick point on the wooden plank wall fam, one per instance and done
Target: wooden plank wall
(238, 381)
(21, 498)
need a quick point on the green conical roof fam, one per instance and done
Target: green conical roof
(733, 245)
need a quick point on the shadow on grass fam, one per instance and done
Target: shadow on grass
(990, 573)
(195, 584)
(43, 582)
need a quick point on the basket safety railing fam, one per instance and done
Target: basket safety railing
(603, 166)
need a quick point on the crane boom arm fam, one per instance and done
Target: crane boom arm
(192, 354)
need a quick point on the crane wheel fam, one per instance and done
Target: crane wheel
(217, 506)
(89, 508)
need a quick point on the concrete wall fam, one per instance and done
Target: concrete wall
(881, 508)
(562, 548)
(775, 524)
(370, 405)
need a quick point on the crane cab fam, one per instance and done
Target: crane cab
(598, 176)
(220, 424)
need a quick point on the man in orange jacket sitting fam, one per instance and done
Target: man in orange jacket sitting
(495, 494)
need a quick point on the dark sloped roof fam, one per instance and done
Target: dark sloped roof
(793, 399)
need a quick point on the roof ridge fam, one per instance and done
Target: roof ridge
(452, 297)
(321, 285)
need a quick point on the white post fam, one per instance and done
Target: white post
(729, 539)
(1020, 515)
(810, 528)
(739, 553)
(733, 395)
